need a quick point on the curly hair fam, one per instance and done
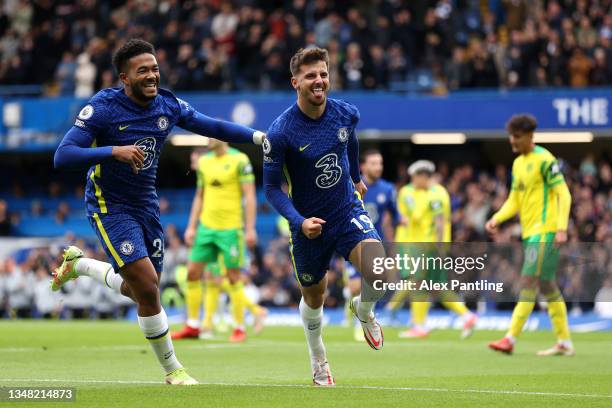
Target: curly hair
(129, 50)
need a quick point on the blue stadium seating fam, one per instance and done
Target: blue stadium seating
(179, 205)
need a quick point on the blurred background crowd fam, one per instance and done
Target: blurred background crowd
(431, 46)
(475, 196)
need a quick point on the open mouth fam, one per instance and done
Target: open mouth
(318, 92)
(152, 86)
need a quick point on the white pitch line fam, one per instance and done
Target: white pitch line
(202, 345)
(350, 387)
(144, 346)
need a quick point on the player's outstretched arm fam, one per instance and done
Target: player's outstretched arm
(230, 132)
(75, 150)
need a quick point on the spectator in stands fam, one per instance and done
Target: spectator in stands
(78, 299)
(5, 219)
(457, 70)
(47, 303)
(579, 67)
(21, 16)
(62, 212)
(481, 69)
(353, 67)
(84, 76)
(274, 76)
(3, 289)
(586, 35)
(242, 39)
(19, 287)
(103, 302)
(65, 74)
(164, 205)
(175, 255)
(601, 75)
(376, 72)
(477, 210)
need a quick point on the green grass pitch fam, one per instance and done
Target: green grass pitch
(110, 364)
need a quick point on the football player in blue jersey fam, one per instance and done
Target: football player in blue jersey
(381, 205)
(381, 199)
(314, 144)
(118, 135)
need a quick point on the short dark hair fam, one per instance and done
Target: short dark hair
(306, 56)
(130, 49)
(367, 153)
(521, 123)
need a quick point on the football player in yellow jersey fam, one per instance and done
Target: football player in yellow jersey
(225, 178)
(541, 198)
(426, 217)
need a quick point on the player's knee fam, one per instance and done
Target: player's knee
(313, 297)
(547, 287)
(194, 272)
(125, 290)
(233, 275)
(314, 301)
(529, 282)
(148, 294)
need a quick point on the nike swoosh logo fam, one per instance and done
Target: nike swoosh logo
(366, 231)
(122, 128)
(302, 148)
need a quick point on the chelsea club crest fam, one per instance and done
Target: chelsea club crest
(343, 135)
(162, 123)
(126, 248)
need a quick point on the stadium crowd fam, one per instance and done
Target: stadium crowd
(423, 45)
(475, 195)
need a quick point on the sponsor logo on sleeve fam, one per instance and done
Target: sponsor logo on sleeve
(87, 112)
(267, 146)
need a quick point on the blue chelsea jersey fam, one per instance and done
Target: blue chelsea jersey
(312, 153)
(381, 198)
(115, 120)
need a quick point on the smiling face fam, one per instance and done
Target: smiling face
(141, 78)
(312, 83)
